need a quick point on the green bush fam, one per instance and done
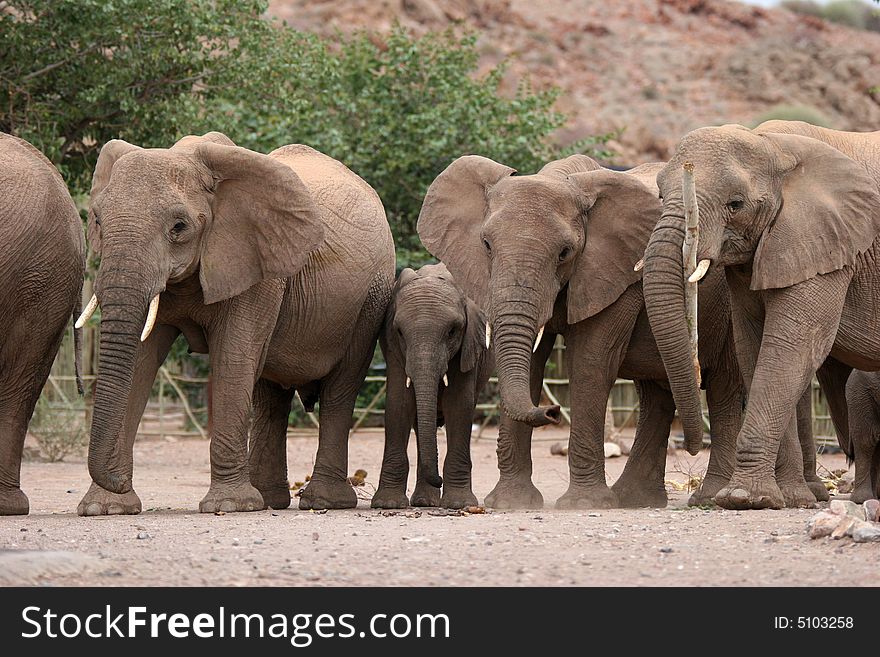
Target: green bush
(794, 113)
(856, 14)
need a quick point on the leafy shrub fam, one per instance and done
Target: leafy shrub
(59, 428)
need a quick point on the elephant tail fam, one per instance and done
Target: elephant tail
(77, 347)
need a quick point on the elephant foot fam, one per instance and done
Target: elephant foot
(425, 495)
(587, 497)
(705, 494)
(515, 493)
(13, 502)
(323, 494)
(798, 495)
(862, 493)
(630, 496)
(743, 493)
(457, 498)
(389, 498)
(276, 497)
(232, 498)
(817, 488)
(100, 502)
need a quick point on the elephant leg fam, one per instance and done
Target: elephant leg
(101, 502)
(424, 494)
(329, 487)
(458, 402)
(22, 380)
(799, 329)
(515, 489)
(808, 445)
(833, 376)
(642, 482)
(724, 396)
(400, 413)
(864, 435)
(267, 451)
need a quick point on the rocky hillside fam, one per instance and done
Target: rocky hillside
(653, 68)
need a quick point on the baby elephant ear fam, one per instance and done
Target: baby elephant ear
(473, 344)
(452, 217)
(110, 153)
(830, 214)
(620, 214)
(264, 225)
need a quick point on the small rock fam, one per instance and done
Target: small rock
(845, 507)
(258, 541)
(235, 541)
(872, 510)
(822, 524)
(559, 449)
(476, 510)
(612, 450)
(866, 532)
(666, 550)
(844, 527)
(594, 514)
(143, 536)
(315, 536)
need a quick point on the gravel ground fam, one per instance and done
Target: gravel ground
(172, 544)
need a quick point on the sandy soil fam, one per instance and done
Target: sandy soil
(178, 546)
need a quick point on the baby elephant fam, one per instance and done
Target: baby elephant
(863, 406)
(434, 344)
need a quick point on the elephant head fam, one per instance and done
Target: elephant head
(435, 329)
(204, 210)
(515, 243)
(787, 206)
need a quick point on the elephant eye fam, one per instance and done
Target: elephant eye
(736, 204)
(563, 255)
(487, 246)
(178, 228)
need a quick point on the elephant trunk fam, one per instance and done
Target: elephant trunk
(663, 286)
(123, 314)
(426, 387)
(514, 335)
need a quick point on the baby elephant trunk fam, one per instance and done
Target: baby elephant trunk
(426, 384)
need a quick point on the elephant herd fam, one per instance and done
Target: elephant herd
(282, 267)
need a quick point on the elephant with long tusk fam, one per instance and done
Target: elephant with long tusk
(433, 338)
(236, 250)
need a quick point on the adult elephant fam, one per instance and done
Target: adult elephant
(553, 253)
(280, 266)
(791, 213)
(41, 273)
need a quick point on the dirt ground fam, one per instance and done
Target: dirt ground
(172, 544)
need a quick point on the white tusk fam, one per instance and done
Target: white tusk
(700, 271)
(639, 265)
(151, 318)
(538, 339)
(445, 381)
(488, 334)
(89, 310)
(408, 381)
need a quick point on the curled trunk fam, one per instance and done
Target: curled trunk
(663, 285)
(513, 335)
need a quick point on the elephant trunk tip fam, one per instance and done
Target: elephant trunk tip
(693, 443)
(110, 481)
(432, 478)
(543, 415)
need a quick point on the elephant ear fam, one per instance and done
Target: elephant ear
(567, 166)
(265, 221)
(110, 153)
(830, 214)
(620, 213)
(452, 216)
(473, 343)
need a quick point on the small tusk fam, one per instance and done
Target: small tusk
(445, 381)
(639, 265)
(89, 310)
(408, 381)
(488, 334)
(151, 318)
(538, 339)
(700, 271)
